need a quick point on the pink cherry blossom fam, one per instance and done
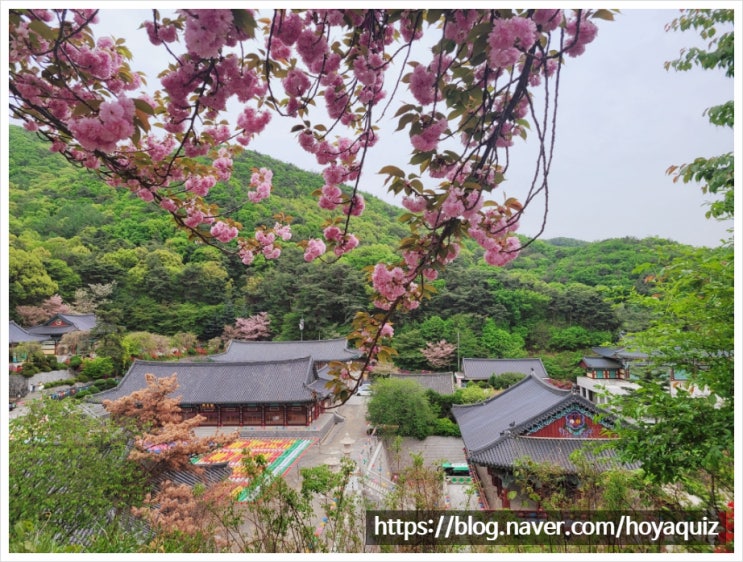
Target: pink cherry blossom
(247, 256)
(315, 249)
(223, 232)
(428, 139)
(115, 122)
(356, 206)
(283, 231)
(549, 20)
(261, 182)
(348, 243)
(579, 36)
(200, 185)
(207, 30)
(333, 233)
(414, 204)
(296, 83)
(422, 84)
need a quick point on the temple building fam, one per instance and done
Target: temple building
(530, 420)
(17, 336)
(60, 324)
(322, 351)
(285, 392)
(253, 383)
(475, 370)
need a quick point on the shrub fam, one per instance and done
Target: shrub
(504, 380)
(105, 384)
(97, 368)
(445, 428)
(75, 362)
(29, 370)
(470, 394)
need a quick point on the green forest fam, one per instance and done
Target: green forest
(70, 232)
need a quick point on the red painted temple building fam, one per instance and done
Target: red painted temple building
(530, 420)
(251, 384)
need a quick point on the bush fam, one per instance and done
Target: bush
(470, 394)
(98, 368)
(445, 428)
(29, 370)
(75, 362)
(52, 384)
(86, 392)
(504, 380)
(105, 384)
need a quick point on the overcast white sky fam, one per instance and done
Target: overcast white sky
(623, 119)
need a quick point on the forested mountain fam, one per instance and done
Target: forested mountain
(69, 230)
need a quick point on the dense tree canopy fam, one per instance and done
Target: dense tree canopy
(716, 173)
(490, 312)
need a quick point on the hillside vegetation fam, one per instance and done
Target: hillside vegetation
(69, 230)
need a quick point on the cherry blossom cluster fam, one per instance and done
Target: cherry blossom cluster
(260, 181)
(493, 233)
(264, 243)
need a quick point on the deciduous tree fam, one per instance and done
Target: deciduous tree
(401, 403)
(440, 355)
(69, 471)
(716, 173)
(163, 440)
(256, 327)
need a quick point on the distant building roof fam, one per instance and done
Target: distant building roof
(600, 363)
(482, 369)
(60, 324)
(443, 383)
(618, 353)
(319, 350)
(16, 334)
(293, 380)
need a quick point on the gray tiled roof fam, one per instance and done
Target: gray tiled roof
(618, 353)
(495, 431)
(443, 383)
(81, 322)
(554, 451)
(16, 334)
(320, 350)
(208, 473)
(482, 369)
(227, 383)
(601, 363)
(483, 423)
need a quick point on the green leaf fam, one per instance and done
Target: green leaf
(607, 15)
(392, 171)
(144, 107)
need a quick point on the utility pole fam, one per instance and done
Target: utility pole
(459, 366)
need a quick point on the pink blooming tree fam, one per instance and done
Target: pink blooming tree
(470, 97)
(256, 327)
(439, 354)
(34, 315)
